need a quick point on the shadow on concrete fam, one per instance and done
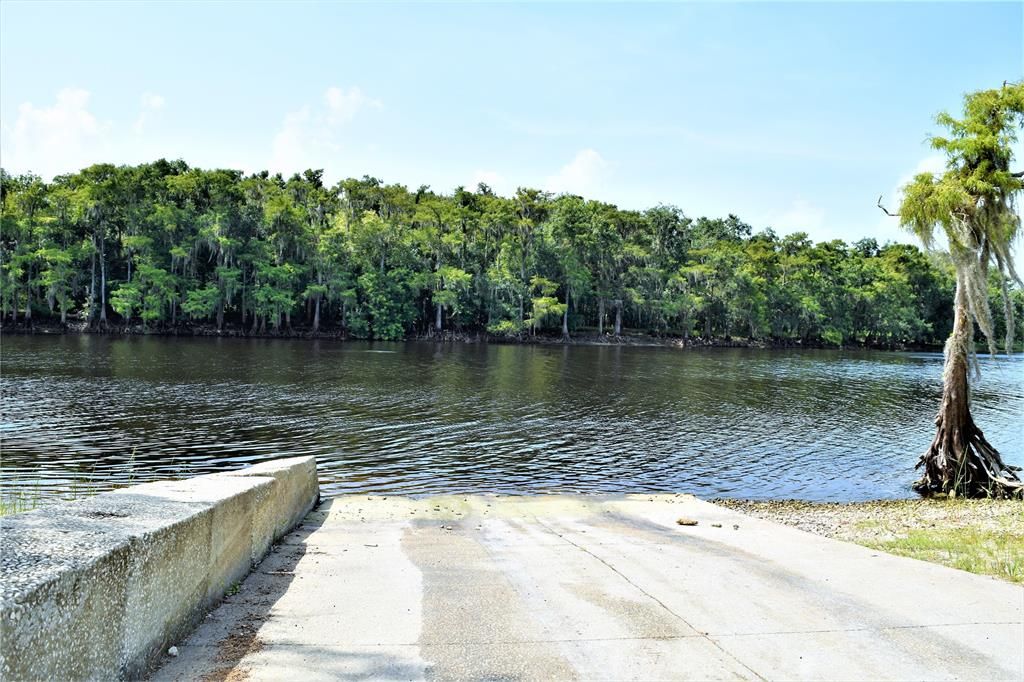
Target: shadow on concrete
(321, 662)
(230, 632)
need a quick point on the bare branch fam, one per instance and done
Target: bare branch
(885, 210)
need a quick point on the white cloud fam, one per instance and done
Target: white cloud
(150, 103)
(297, 143)
(584, 175)
(493, 179)
(308, 136)
(51, 140)
(888, 228)
(343, 106)
(934, 163)
(801, 216)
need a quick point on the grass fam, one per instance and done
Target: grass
(23, 499)
(19, 501)
(979, 536)
(984, 536)
(988, 552)
(26, 499)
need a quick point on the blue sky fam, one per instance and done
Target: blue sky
(795, 116)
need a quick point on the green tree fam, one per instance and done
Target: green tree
(57, 277)
(544, 305)
(272, 255)
(972, 204)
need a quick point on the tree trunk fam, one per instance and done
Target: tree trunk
(92, 288)
(103, 280)
(316, 315)
(618, 317)
(960, 461)
(565, 318)
(437, 319)
(522, 280)
(220, 315)
(490, 307)
(600, 316)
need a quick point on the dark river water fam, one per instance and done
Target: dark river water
(87, 413)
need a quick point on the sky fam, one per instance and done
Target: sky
(792, 116)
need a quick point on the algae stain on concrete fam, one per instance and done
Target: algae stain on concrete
(465, 592)
(644, 619)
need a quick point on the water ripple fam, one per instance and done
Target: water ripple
(81, 414)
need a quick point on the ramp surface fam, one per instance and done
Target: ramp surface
(594, 588)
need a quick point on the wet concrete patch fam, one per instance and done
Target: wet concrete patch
(467, 603)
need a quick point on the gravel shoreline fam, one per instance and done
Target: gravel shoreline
(981, 536)
(885, 519)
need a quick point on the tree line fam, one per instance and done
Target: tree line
(166, 246)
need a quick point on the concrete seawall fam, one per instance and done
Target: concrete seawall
(100, 588)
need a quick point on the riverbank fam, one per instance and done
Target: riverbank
(980, 536)
(584, 337)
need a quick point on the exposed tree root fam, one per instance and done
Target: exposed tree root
(960, 461)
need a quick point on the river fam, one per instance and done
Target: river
(85, 413)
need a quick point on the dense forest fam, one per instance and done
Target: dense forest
(163, 246)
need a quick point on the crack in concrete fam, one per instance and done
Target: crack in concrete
(667, 638)
(650, 596)
(826, 631)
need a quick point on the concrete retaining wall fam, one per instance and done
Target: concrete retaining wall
(100, 588)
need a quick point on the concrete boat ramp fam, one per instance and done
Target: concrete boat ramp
(593, 588)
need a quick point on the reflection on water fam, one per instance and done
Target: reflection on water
(89, 413)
